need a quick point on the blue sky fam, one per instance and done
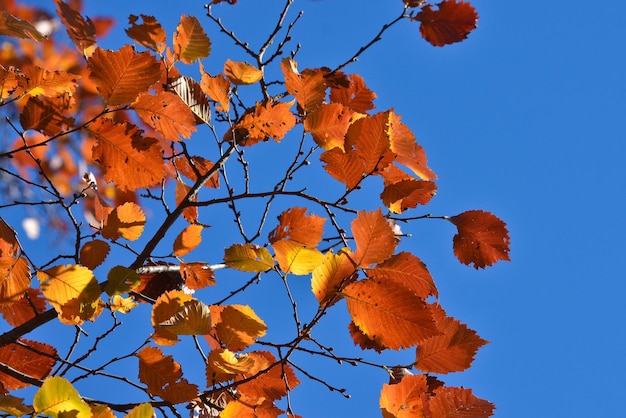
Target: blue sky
(523, 119)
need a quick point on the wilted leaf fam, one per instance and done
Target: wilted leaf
(388, 314)
(122, 75)
(126, 221)
(296, 225)
(329, 123)
(482, 238)
(167, 114)
(163, 376)
(57, 398)
(408, 271)
(296, 258)
(451, 402)
(93, 253)
(28, 362)
(193, 318)
(166, 306)
(404, 399)
(356, 96)
(17, 28)
(191, 93)
(241, 72)
(237, 326)
(451, 23)
(308, 88)
(248, 257)
(374, 238)
(149, 34)
(80, 30)
(190, 41)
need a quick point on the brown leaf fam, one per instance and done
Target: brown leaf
(482, 238)
(24, 309)
(39, 81)
(347, 167)
(452, 402)
(26, 361)
(451, 23)
(93, 253)
(370, 138)
(197, 275)
(408, 271)
(237, 326)
(186, 168)
(163, 376)
(81, 31)
(404, 399)
(362, 340)
(272, 120)
(17, 28)
(166, 306)
(190, 92)
(15, 278)
(407, 194)
(149, 34)
(272, 384)
(46, 115)
(408, 152)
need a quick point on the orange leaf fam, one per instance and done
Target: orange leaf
(166, 113)
(15, 279)
(29, 362)
(482, 238)
(8, 81)
(370, 138)
(296, 258)
(18, 28)
(190, 213)
(190, 41)
(193, 318)
(121, 76)
(272, 384)
(334, 272)
(403, 400)
(190, 92)
(237, 326)
(129, 159)
(363, 341)
(451, 23)
(241, 72)
(408, 271)
(163, 376)
(407, 194)
(356, 96)
(308, 88)
(126, 221)
(347, 167)
(197, 275)
(296, 225)
(451, 402)
(93, 253)
(187, 240)
(374, 237)
(408, 152)
(223, 365)
(186, 168)
(329, 123)
(149, 34)
(453, 351)
(386, 313)
(39, 81)
(248, 257)
(9, 245)
(24, 309)
(218, 89)
(270, 120)
(45, 115)
(82, 32)
(166, 306)
(247, 407)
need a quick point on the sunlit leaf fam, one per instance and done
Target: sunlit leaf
(482, 238)
(80, 30)
(408, 152)
(370, 138)
(93, 253)
(187, 240)
(72, 290)
(25, 308)
(40, 81)
(269, 120)
(197, 275)
(237, 326)
(190, 41)
(453, 351)
(193, 318)
(295, 258)
(296, 225)
(218, 89)
(308, 88)
(143, 410)
(17, 28)
(336, 270)
(149, 33)
(224, 365)
(36, 362)
(272, 384)
(407, 194)
(186, 167)
(356, 96)
(404, 399)
(366, 343)
(57, 398)
(14, 406)
(329, 123)
(452, 402)
(407, 270)
(8, 82)
(122, 75)
(451, 23)
(388, 314)
(126, 221)
(15, 278)
(166, 306)
(241, 72)
(121, 304)
(191, 93)
(9, 245)
(374, 237)
(163, 376)
(129, 159)
(347, 167)
(248, 257)
(167, 114)
(121, 280)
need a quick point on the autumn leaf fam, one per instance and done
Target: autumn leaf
(388, 314)
(308, 88)
(356, 96)
(346, 167)
(241, 72)
(408, 152)
(24, 309)
(45, 115)
(126, 221)
(181, 193)
(167, 114)
(128, 159)
(120, 76)
(366, 343)
(8, 81)
(143, 410)
(166, 306)
(193, 318)
(80, 30)
(57, 398)
(370, 138)
(17, 28)
(335, 271)
(408, 271)
(192, 95)
(218, 89)
(224, 365)
(40, 81)
(374, 238)
(30, 358)
(123, 305)
(14, 406)
(149, 33)
(15, 279)
(407, 194)
(194, 166)
(482, 238)
(451, 23)
(271, 120)
(93, 253)
(187, 240)
(453, 402)
(197, 275)
(121, 280)
(452, 351)
(404, 399)
(153, 285)
(272, 384)
(190, 41)
(248, 257)
(296, 225)
(296, 258)
(9, 245)
(163, 376)
(237, 326)
(329, 123)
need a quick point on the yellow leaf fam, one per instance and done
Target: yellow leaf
(72, 290)
(58, 398)
(237, 326)
(223, 365)
(143, 410)
(126, 221)
(122, 305)
(193, 318)
(121, 280)
(335, 270)
(242, 73)
(248, 257)
(296, 258)
(187, 240)
(190, 41)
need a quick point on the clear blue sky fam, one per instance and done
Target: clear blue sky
(524, 119)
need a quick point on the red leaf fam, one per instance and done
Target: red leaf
(482, 238)
(451, 23)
